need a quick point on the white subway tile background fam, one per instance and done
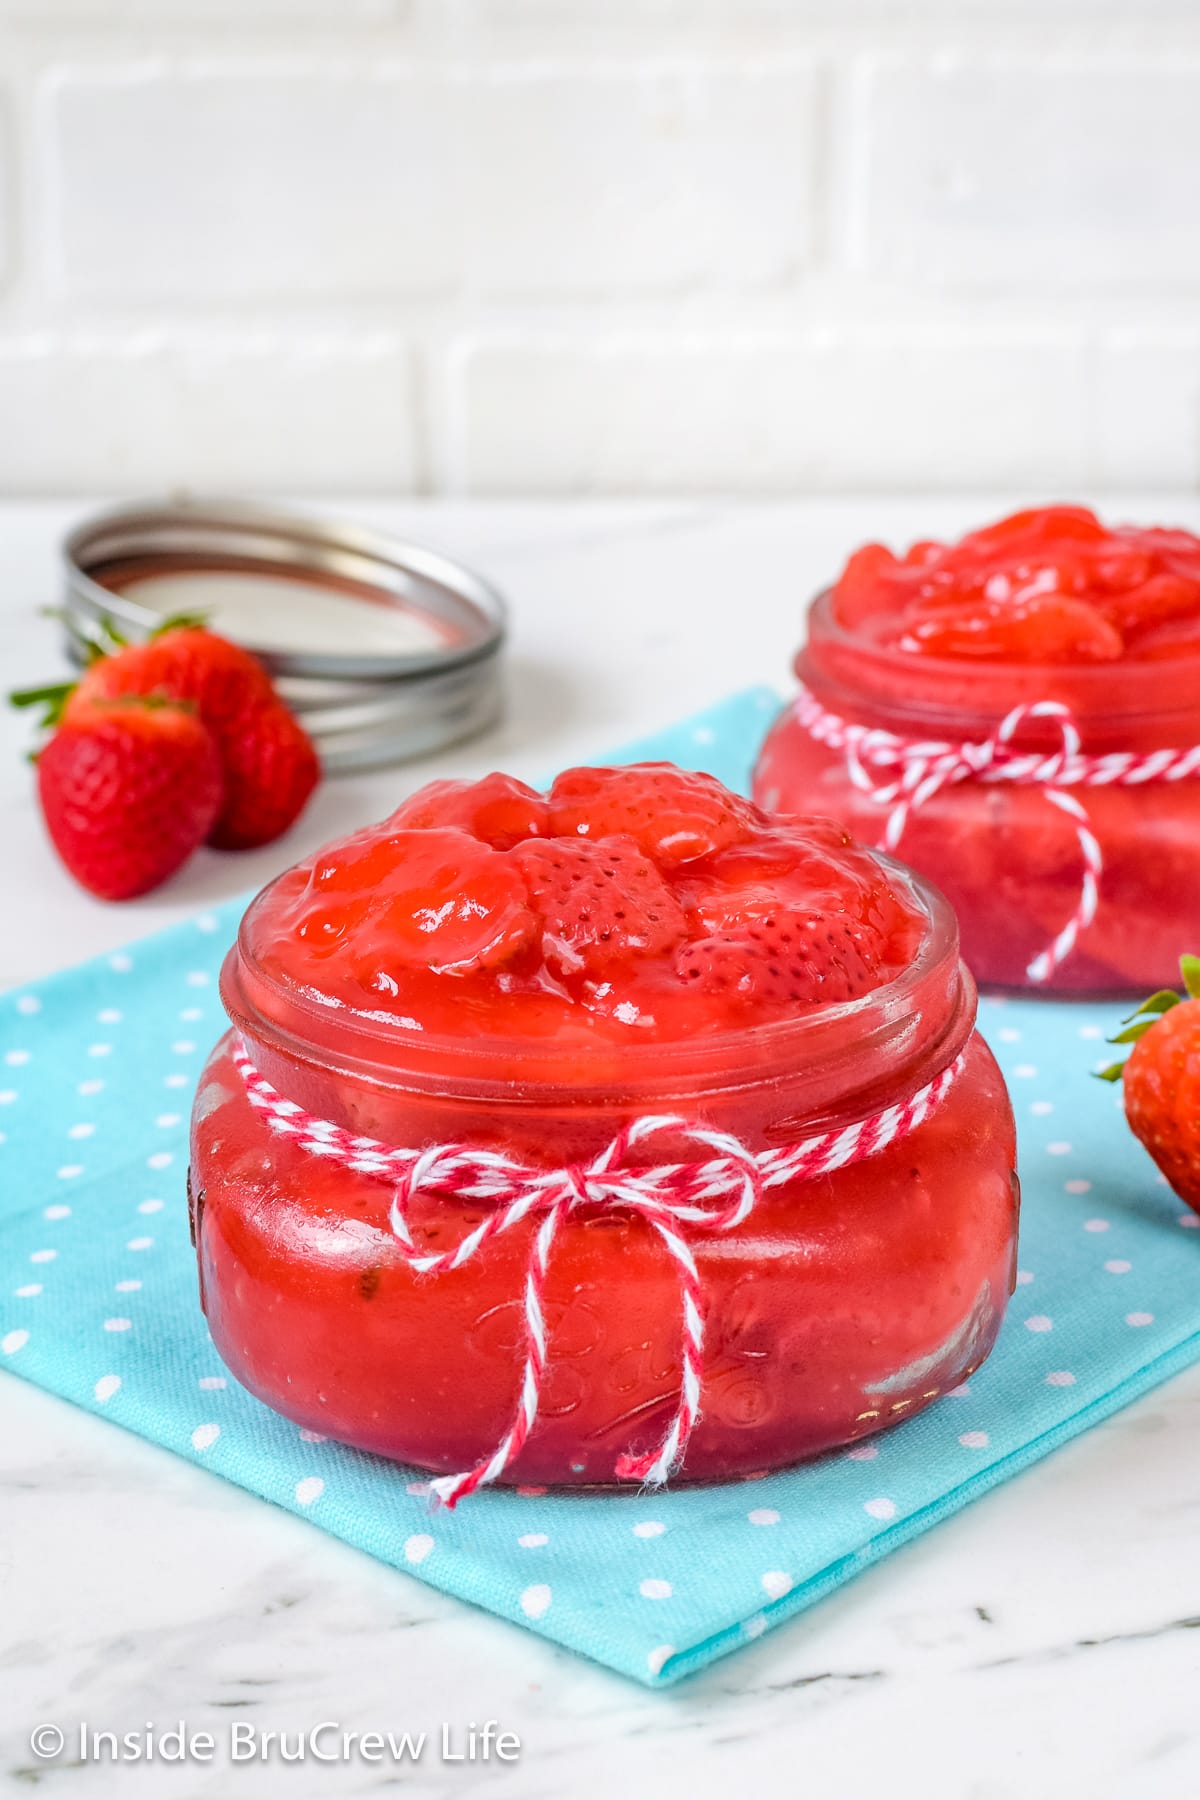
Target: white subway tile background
(572, 246)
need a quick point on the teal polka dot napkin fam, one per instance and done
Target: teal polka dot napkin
(98, 1303)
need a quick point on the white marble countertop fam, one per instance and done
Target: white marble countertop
(1043, 1643)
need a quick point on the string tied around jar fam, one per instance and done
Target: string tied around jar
(902, 774)
(711, 1195)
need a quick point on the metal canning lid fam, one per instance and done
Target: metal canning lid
(385, 648)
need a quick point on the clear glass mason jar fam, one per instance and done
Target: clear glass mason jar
(1007, 859)
(840, 1305)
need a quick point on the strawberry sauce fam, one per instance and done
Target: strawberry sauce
(631, 905)
(529, 973)
(942, 644)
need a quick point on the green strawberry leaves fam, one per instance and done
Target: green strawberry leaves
(1138, 1023)
(52, 697)
(183, 621)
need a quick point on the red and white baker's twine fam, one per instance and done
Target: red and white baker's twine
(710, 1196)
(913, 770)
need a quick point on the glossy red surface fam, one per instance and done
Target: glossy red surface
(1049, 585)
(1008, 861)
(838, 1306)
(629, 905)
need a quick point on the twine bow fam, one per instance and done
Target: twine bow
(903, 774)
(708, 1197)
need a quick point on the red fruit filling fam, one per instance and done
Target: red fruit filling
(1050, 585)
(500, 810)
(599, 902)
(804, 957)
(645, 901)
(672, 817)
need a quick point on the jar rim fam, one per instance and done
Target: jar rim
(975, 695)
(928, 1010)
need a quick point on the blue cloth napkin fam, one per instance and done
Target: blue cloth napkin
(98, 1303)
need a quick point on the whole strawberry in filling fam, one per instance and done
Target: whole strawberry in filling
(626, 904)
(599, 902)
(673, 817)
(802, 958)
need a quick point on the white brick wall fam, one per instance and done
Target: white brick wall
(146, 412)
(569, 245)
(1014, 174)
(275, 183)
(292, 182)
(828, 412)
(166, 13)
(7, 186)
(1148, 408)
(631, 180)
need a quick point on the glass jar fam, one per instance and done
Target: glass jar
(839, 1305)
(1007, 858)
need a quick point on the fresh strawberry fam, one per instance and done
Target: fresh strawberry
(270, 769)
(1162, 1080)
(129, 788)
(499, 810)
(673, 815)
(800, 957)
(268, 762)
(222, 681)
(599, 903)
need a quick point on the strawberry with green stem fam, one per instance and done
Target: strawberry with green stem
(1162, 1080)
(268, 764)
(129, 788)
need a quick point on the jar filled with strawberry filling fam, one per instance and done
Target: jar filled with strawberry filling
(1018, 716)
(584, 981)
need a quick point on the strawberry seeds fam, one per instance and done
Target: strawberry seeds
(644, 902)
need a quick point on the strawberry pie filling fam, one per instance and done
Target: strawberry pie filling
(529, 974)
(943, 644)
(624, 906)
(1050, 585)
